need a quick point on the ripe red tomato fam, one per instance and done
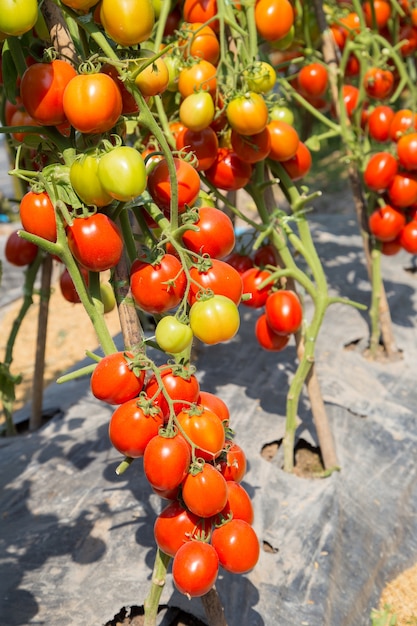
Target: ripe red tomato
(232, 463)
(378, 83)
(180, 386)
(203, 144)
(215, 235)
(284, 311)
(132, 427)
(22, 118)
(379, 122)
(67, 286)
(228, 540)
(214, 403)
(251, 148)
(160, 286)
(195, 568)
(265, 255)
(408, 237)
(205, 492)
(95, 241)
(115, 379)
(18, 251)
(267, 338)
(247, 114)
(402, 190)
(228, 171)
(386, 223)
(284, 140)
(204, 429)
(239, 504)
(166, 461)
(37, 215)
(312, 80)
(251, 280)
(407, 150)
(382, 12)
(300, 164)
(220, 277)
(273, 18)
(92, 103)
(350, 98)
(380, 171)
(42, 90)
(240, 261)
(129, 104)
(188, 181)
(174, 526)
(402, 120)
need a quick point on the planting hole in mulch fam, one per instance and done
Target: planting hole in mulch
(173, 616)
(308, 462)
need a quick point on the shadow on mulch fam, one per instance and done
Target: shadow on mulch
(134, 616)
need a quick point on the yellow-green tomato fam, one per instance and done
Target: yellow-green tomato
(122, 173)
(197, 111)
(86, 183)
(173, 336)
(107, 297)
(214, 320)
(261, 77)
(18, 16)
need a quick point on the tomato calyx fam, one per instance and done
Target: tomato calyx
(196, 466)
(137, 363)
(147, 405)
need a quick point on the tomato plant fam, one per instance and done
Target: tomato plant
(95, 242)
(116, 379)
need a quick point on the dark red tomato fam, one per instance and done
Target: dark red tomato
(18, 251)
(407, 37)
(182, 388)
(267, 338)
(241, 262)
(381, 11)
(129, 104)
(408, 237)
(195, 568)
(166, 461)
(37, 215)
(378, 83)
(312, 80)
(251, 280)
(352, 65)
(214, 403)
(160, 286)
(205, 492)
(232, 463)
(215, 235)
(228, 540)
(67, 286)
(386, 223)
(407, 151)
(22, 118)
(228, 171)
(380, 171)
(284, 311)
(174, 526)
(115, 379)
(132, 427)
(96, 242)
(403, 120)
(220, 277)
(188, 181)
(379, 122)
(42, 91)
(204, 429)
(239, 504)
(300, 164)
(284, 140)
(402, 190)
(265, 255)
(202, 143)
(251, 148)
(350, 98)
(390, 248)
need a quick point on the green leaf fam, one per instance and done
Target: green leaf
(10, 73)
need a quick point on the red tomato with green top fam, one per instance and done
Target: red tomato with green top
(228, 540)
(96, 242)
(204, 429)
(174, 526)
(160, 286)
(247, 114)
(195, 568)
(251, 280)
(205, 492)
(180, 386)
(37, 215)
(219, 277)
(215, 235)
(166, 461)
(115, 379)
(132, 427)
(284, 312)
(380, 171)
(188, 181)
(228, 171)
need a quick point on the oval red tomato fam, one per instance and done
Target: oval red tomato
(115, 379)
(166, 461)
(205, 492)
(195, 568)
(132, 427)
(95, 241)
(215, 235)
(37, 215)
(228, 540)
(284, 311)
(160, 286)
(18, 251)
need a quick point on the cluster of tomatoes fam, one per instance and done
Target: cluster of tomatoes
(190, 459)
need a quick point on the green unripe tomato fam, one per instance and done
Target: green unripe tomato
(173, 336)
(18, 16)
(122, 173)
(86, 183)
(282, 114)
(261, 77)
(107, 297)
(197, 111)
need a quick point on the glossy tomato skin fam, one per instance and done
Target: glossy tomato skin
(239, 504)
(300, 164)
(408, 237)
(386, 223)
(378, 83)
(122, 173)
(228, 540)
(407, 151)
(183, 388)
(201, 11)
(197, 111)
(174, 526)
(251, 148)
(267, 338)
(247, 114)
(204, 429)
(205, 493)
(158, 287)
(379, 122)
(166, 461)
(113, 381)
(228, 171)
(18, 251)
(251, 280)
(42, 90)
(96, 242)
(215, 235)
(214, 320)
(232, 463)
(18, 16)
(127, 22)
(402, 121)
(131, 428)
(214, 403)
(273, 18)
(221, 278)
(380, 171)
(312, 80)
(199, 40)
(284, 311)
(402, 191)
(188, 181)
(92, 103)
(199, 76)
(37, 215)
(172, 335)
(203, 144)
(195, 568)
(284, 141)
